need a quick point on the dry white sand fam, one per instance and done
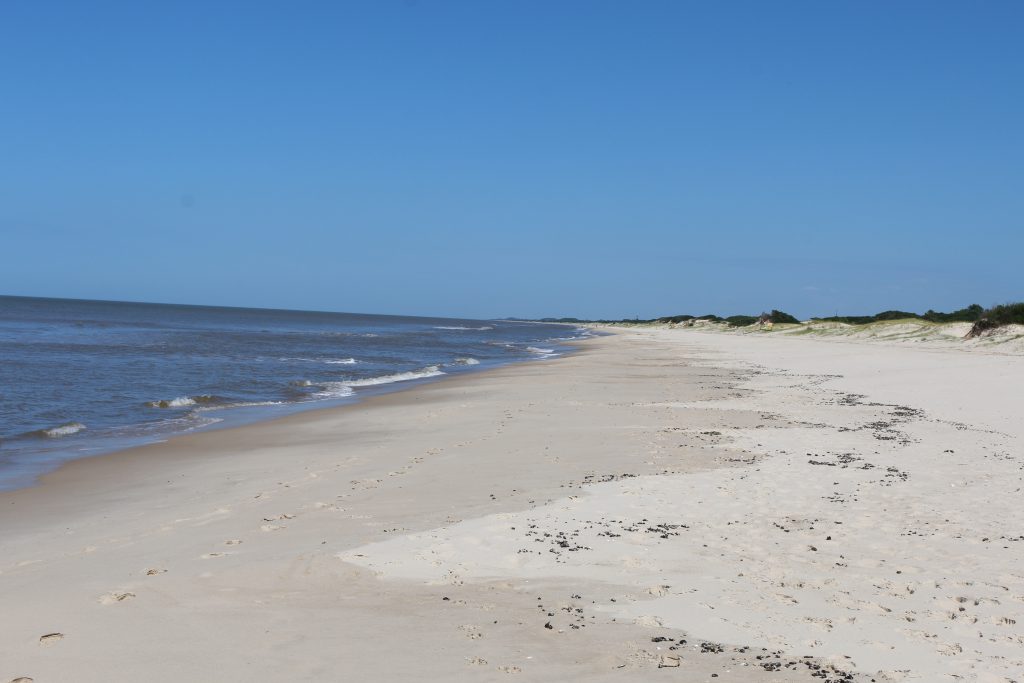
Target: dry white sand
(763, 499)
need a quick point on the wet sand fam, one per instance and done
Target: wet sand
(664, 504)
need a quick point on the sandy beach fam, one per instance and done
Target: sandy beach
(662, 505)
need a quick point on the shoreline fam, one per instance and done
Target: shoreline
(743, 508)
(145, 460)
(284, 411)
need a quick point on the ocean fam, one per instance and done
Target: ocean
(80, 378)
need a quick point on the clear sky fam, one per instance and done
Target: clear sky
(492, 158)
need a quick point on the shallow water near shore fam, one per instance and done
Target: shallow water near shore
(81, 378)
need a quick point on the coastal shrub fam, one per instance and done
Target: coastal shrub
(850, 319)
(778, 317)
(998, 316)
(895, 315)
(1006, 314)
(972, 313)
(741, 320)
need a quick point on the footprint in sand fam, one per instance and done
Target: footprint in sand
(111, 598)
(23, 679)
(472, 632)
(232, 541)
(209, 556)
(154, 572)
(50, 638)
(277, 518)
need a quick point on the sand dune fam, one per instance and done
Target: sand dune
(1003, 340)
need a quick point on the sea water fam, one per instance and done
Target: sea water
(79, 378)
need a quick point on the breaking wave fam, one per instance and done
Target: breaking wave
(467, 361)
(57, 432)
(429, 371)
(183, 401)
(333, 390)
(343, 388)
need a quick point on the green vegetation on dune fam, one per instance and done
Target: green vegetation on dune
(895, 315)
(981, 318)
(971, 314)
(998, 316)
(1006, 314)
(741, 320)
(779, 318)
(733, 320)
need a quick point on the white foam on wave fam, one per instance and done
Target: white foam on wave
(63, 430)
(581, 333)
(541, 352)
(460, 327)
(185, 401)
(467, 361)
(179, 402)
(342, 361)
(334, 390)
(429, 371)
(343, 388)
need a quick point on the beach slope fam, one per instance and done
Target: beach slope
(665, 503)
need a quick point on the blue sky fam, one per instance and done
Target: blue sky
(482, 158)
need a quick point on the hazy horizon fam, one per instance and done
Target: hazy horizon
(695, 312)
